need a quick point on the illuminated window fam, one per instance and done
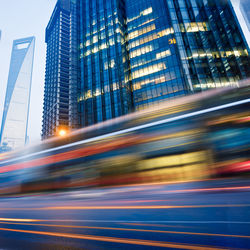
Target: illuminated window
(81, 46)
(106, 65)
(88, 52)
(141, 51)
(142, 31)
(103, 46)
(112, 63)
(163, 54)
(88, 94)
(95, 39)
(87, 43)
(172, 41)
(148, 70)
(195, 27)
(143, 13)
(111, 42)
(95, 49)
(147, 11)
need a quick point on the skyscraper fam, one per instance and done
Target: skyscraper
(179, 47)
(245, 10)
(132, 53)
(105, 89)
(17, 99)
(60, 91)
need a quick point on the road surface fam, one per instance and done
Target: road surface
(212, 214)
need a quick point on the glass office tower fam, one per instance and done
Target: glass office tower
(105, 90)
(60, 92)
(16, 106)
(210, 42)
(169, 48)
(134, 53)
(178, 47)
(155, 64)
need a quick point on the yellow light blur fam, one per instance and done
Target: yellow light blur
(18, 220)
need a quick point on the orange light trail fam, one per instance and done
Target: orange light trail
(114, 240)
(130, 230)
(126, 207)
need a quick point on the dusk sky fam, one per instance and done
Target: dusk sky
(19, 19)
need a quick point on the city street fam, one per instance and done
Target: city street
(213, 214)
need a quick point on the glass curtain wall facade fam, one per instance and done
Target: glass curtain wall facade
(106, 58)
(169, 48)
(178, 47)
(105, 90)
(211, 44)
(13, 132)
(60, 92)
(156, 70)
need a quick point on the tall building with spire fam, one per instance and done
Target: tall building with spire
(14, 126)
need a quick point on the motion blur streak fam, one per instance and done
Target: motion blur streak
(153, 225)
(168, 120)
(184, 163)
(21, 220)
(131, 230)
(207, 189)
(116, 240)
(127, 207)
(201, 142)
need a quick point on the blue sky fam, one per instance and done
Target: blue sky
(23, 18)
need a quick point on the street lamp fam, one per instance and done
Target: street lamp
(62, 132)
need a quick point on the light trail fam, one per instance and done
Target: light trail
(151, 124)
(153, 225)
(203, 189)
(130, 230)
(115, 240)
(126, 207)
(14, 219)
(149, 221)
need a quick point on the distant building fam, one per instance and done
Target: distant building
(245, 10)
(13, 132)
(134, 53)
(60, 93)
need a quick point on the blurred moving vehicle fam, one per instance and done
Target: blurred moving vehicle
(195, 137)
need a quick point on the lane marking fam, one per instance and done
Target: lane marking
(115, 240)
(132, 129)
(131, 230)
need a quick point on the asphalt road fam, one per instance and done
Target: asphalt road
(213, 214)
